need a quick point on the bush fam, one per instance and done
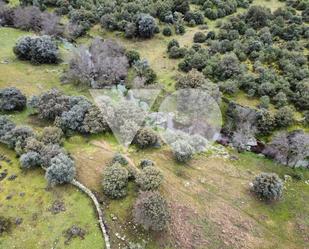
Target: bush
(151, 211)
(193, 79)
(38, 50)
(118, 158)
(149, 179)
(167, 31)
(268, 186)
(284, 117)
(48, 152)
(199, 37)
(176, 53)
(172, 43)
(61, 170)
(5, 224)
(146, 163)
(146, 138)
(306, 118)
(264, 102)
(183, 151)
(12, 99)
(133, 56)
(6, 126)
(103, 64)
(52, 135)
(146, 25)
(30, 160)
(16, 138)
(115, 181)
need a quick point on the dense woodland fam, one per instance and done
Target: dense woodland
(258, 53)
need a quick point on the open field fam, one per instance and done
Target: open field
(209, 197)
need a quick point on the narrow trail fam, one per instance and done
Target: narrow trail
(98, 208)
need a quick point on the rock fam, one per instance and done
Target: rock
(18, 221)
(57, 207)
(22, 194)
(9, 197)
(74, 232)
(287, 178)
(12, 177)
(3, 175)
(234, 157)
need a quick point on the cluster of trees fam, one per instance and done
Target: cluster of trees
(137, 19)
(38, 50)
(41, 150)
(272, 43)
(290, 148)
(31, 18)
(105, 63)
(70, 113)
(150, 209)
(214, 9)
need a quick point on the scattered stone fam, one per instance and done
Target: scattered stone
(287, 178)
(57, 207)
(12, 177)
(18, 221)
(9, 197)
(114, 218)
(74, 232)
(3, 174)
(22, 194)
(234, 157)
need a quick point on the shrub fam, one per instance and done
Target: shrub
(61, 170)
(146, 25)
(146, 163)
(199, 37)
(16, 138)
(176, 53)
(103, 64)
(146, 138)
(115, 181)
(268, 186)
(193, 79)
(38, 50)
(306, 118)
(172, 43)
(167, 31)
(118, 158)
(52, 135)
(6, 126)
(12, 99)
(5, 224)
(151, 211)
(183, 151)
(30, 159)
(28, 18)
(48, 152)
(51, 104)
(258, 17)
(149, 179)
(264, 102)
(6, 15)
(284, 117)
(133, 56)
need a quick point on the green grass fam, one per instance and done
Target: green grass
(30, 79)
(40, 228)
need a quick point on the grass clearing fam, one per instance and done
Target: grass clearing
(40, 228)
